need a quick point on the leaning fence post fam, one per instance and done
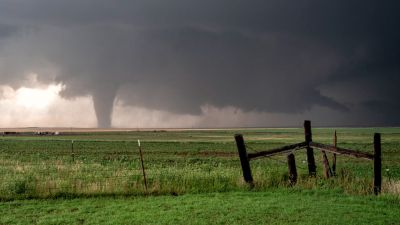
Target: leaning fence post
(292, 169)
(334, 155)
(312, 169)
(325, 162)
(377, 164)
(244, 161)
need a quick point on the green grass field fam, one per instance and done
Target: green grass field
(191, 175)
(269, 207)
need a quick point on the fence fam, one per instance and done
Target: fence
(31, 167)
(43, 168)
(308, 144)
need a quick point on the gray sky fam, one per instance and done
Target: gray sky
(202, 63)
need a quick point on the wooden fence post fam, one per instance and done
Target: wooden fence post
(142, 163)
(72, 151)
(312, 169)
(244, 161)
(292, 169)
(325, 161)
(377, 164)
(334, 155)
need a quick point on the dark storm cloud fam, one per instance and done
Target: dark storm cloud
(272, 56)
(7, 30)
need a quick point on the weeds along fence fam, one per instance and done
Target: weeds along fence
(36, 168)
(39, 168)
(309, 145)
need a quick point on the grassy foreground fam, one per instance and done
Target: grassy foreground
(272, 207)
(194, 177)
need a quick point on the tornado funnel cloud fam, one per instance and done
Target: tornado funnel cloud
(103, 105)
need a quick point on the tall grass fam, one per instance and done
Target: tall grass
(186, 163)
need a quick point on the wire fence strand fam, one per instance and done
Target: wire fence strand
(271, 157)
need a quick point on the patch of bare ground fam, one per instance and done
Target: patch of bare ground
(208, 154)
(269, 138)
(392, 187)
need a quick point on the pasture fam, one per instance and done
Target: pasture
(185, 165)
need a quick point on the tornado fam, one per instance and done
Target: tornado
(103, 102)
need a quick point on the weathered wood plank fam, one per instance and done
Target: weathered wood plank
(244, 161)
(377, 164)
(334, 155)
(276, 150)
(327, 168)
(342, 151)
(292, 169)
(312, 168)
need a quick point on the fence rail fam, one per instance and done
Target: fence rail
(276, 151)
(342, 151)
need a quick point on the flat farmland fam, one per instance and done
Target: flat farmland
(83, 166)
